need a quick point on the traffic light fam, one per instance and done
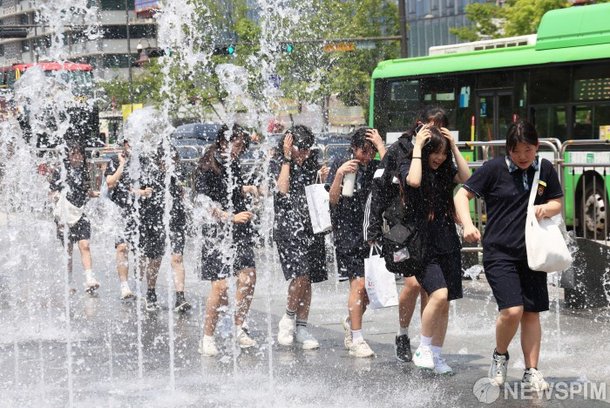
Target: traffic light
(224, 50)
(13, 33)
(288, 48)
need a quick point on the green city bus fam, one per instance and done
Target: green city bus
(561, 84)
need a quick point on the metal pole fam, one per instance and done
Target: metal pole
(128, 52)
(402, 11)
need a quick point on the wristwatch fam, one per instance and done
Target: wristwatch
(287, 160)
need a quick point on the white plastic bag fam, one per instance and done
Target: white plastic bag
(379, 283)
(66, 212)
(318, 203)
(545, 244)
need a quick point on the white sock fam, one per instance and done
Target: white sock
(208, 337)
(425, 341)
(357, 336)
(125, 285)
(89, 274)
(436, 350)
(238, 328)
(403, 331)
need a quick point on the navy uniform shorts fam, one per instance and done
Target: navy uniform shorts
(443, 271)
(217, 264)
(350, 262)
(513, 283)
(303, 257)
(78, 232)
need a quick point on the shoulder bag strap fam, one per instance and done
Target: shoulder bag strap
(534, 187)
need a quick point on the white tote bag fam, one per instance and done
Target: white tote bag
(318, 204)
(546, 247)
(66, 212)
(380, 284)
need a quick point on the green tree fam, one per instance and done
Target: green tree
(485, 19)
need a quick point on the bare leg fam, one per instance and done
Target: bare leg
(122, 262)
(506, 327)
(85, 253)
(178, 269)
(151, 266)
(531, 335)
(299, 296)
(437, 304)
(217, 299)
(246, 280)
(357, 303)
(407, 301)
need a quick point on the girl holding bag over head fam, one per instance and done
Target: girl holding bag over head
(430, 177)
(505, 184)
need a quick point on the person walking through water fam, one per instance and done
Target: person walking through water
(385, 205)
(122, 193)
(347, 211)
(228, 234)
(504, 183)
(302, 253)
(430, 177)
(70, 190)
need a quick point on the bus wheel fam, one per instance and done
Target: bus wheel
(595, 211)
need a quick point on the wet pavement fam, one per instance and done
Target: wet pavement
(123, 356)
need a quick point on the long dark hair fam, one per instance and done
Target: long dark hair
(437, 185)
(434, 114)
(208, 160)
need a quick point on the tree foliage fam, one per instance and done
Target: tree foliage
(308, 74)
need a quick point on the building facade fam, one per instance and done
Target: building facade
(429, 22)
(108, 54)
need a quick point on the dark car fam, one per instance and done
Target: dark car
(203, 131)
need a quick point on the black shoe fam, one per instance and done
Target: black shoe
(403, 348)
(151, 301)
(182, 306)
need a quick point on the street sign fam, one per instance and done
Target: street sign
(366, 45)
(340, 47)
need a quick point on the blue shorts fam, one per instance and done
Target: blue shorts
(513, 283)
(443, 271)
(350, 263)
(301, 257)
(217, 264)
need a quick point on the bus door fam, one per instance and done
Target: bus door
(494, 115)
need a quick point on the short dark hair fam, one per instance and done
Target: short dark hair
(302, 136)
(521, 132)
(359, 140)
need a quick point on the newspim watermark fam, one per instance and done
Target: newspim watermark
(488, 391)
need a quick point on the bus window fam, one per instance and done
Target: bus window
(583, 122)
(601, 120)
(549, 85)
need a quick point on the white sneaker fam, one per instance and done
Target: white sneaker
(207, 347)
(285, 334)
(497, 370)
(308, 342)
(244, 340)
(441, 367)
(91, 284)
(126, 293)
(361, 349)
(423, 357)
(533, 380)
(347, 333)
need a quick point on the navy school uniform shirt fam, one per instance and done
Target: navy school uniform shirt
(442, 237)
(292, 222)
(347, 215)
(225, 189)
(77, 182)
(120, 194)
(503, 187)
